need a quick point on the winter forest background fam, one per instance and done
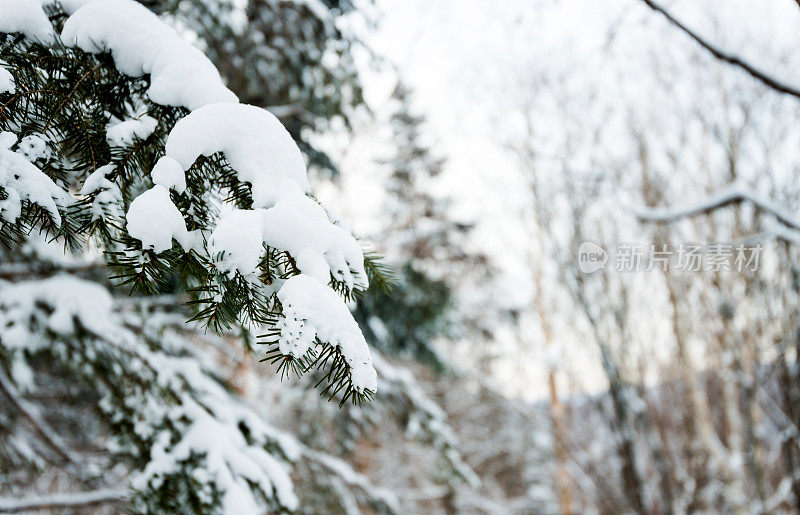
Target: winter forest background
(175, 275)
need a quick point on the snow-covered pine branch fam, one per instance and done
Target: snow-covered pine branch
(189, 442)
(173, 178)
(117, 135)
(426, 420)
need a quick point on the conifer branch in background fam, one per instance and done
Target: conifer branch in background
(62, 501)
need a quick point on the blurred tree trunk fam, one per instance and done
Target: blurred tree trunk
(542, 222)
(562, 480)
(788, 366)
(632, 484)
(790, 388)
(648, 421)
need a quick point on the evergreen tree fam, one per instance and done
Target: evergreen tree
(424, 243)
(120, 143)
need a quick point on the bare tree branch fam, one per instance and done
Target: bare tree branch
(731, 59)
(734, 194)
(12, 271)
(57, 501)
(296, 109)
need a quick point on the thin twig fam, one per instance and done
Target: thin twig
(731, 59)
(12, 271)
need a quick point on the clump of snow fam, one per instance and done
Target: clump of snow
(296, 337)
(169, 173)
(33, 147)
(239, 238)
(311, 309)
(68, 297)
(300, 226)
(154, 220)
(263, 154)
(107, 196)
(26, 17)
(97, 180)
(124, 134)
(6, 81)
(22, 180)
(253, 140)
(140, 43)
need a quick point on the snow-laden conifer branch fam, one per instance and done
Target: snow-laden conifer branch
(161, 150)
(118, 135)
(172, 416)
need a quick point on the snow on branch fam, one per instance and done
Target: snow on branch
(257, 146)
(352, 478)
(180, 74)
(62, 501)
(312, 311)
(221, 152)
(724, 56)
(427, 421)
(22, 181)
(733, 194)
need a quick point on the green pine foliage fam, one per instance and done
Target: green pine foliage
(68, 97)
